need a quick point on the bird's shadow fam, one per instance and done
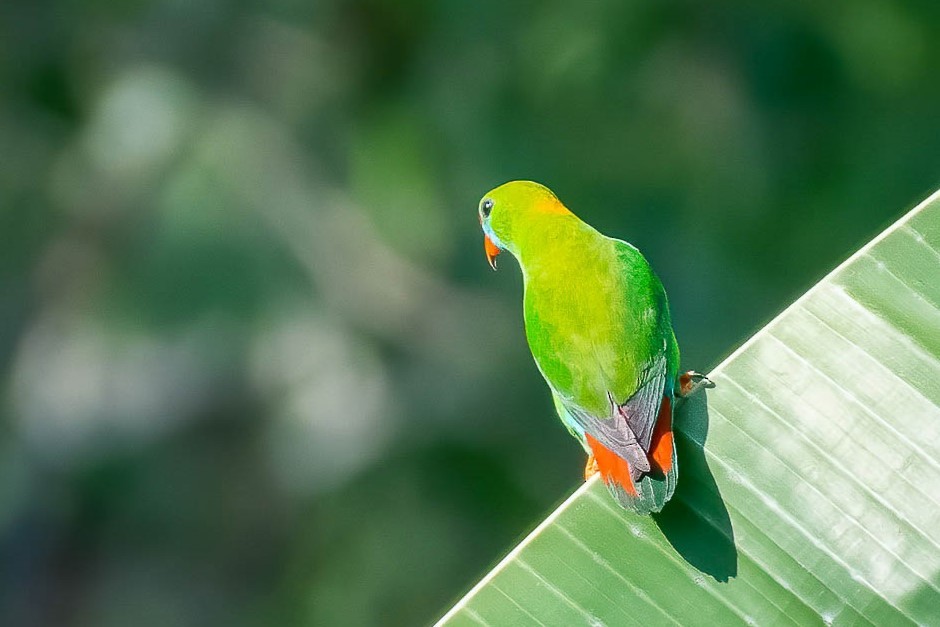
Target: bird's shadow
(696, 521)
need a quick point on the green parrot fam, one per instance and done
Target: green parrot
(597, 323)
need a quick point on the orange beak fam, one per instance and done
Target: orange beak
(491, 250)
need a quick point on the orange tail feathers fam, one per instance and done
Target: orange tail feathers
(661, 443)
(650, 491)
(612, 467)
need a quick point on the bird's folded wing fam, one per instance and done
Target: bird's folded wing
(628, 428)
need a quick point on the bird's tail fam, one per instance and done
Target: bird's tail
(637, 491)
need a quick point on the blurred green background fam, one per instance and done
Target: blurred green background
(255, 368)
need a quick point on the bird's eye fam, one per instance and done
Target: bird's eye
(486, 207)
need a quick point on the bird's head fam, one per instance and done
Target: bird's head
(508, 210)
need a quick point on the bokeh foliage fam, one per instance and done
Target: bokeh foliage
(255, 369)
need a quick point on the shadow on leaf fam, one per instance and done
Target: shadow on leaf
(696, 521)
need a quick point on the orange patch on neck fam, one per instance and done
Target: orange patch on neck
(552, 205)
(611, 466)
(661, 443)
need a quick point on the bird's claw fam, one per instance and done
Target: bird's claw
(691, 381)
(590, 469)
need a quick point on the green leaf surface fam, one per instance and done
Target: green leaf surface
(809, 488)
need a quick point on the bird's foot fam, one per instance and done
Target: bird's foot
(691, 381)
(590, 469)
